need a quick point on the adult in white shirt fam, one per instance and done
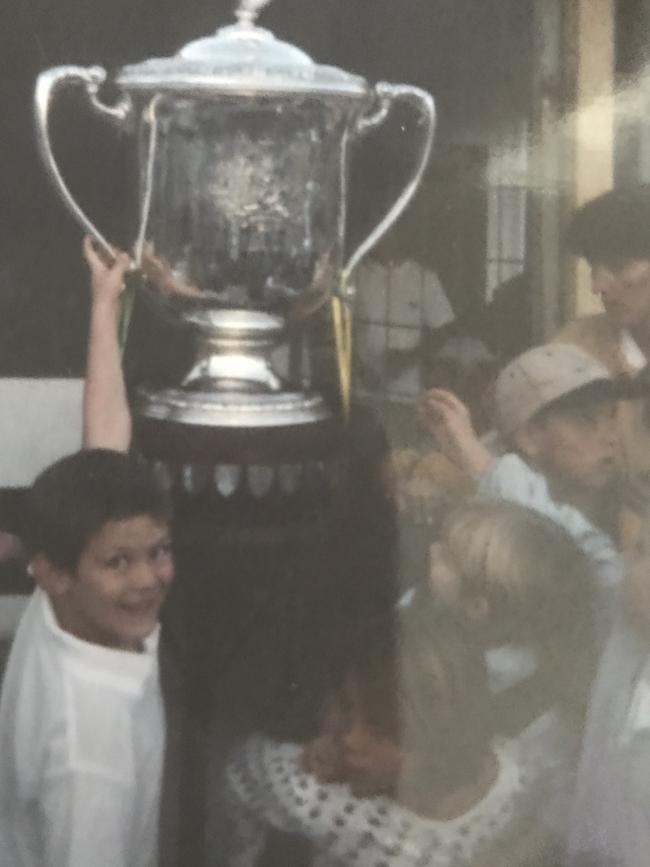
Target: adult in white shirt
(398, 303)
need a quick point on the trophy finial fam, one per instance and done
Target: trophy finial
(248, 10)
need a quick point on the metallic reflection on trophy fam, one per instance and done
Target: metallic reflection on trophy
(243, 149)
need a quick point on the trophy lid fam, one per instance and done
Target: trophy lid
(241, 58)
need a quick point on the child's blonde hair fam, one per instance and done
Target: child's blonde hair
(422, 683)
(518, 559)
(536, 582)
(446, 727)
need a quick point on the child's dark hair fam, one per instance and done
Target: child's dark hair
(71, 500)
(612, 229)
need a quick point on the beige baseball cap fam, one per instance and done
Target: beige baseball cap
(540, 376)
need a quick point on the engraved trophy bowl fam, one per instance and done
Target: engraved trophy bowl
(242, 144)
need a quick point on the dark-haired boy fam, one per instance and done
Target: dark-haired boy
(82, 727)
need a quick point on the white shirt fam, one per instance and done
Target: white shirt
(81, 750)
(393, 304)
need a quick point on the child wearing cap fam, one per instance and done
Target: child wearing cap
(555, 409)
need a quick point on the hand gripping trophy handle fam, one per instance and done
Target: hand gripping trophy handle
(48, 85)
(422, 101)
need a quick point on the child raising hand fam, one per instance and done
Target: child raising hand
(106, 415)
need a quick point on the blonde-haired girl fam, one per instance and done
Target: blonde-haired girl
(514, 575)
(523, 587)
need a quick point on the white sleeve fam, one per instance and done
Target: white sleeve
(510, 478)
(266, 788)
(85, 817)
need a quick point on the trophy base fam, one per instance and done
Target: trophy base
(231, 409)
(234, 385)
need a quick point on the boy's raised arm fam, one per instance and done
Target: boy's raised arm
(106, 414)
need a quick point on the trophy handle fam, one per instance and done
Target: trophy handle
(425, 106)
(48, 84)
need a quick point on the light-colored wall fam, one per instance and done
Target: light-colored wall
(11, 609)
(592, 126)
(40, 422)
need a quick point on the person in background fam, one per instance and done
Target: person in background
(407, 770)
(504, 323)
(427, 483)
(556, 415)
(400, 306)
(466, 367)
(611, 233)
(82, 726)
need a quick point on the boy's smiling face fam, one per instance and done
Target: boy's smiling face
(114, 596)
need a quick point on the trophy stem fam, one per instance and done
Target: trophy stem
(234, 384)
(234, 347)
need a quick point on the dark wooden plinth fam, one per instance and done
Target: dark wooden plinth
(185, 443)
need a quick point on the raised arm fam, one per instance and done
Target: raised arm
(449, 422)
(106, 414)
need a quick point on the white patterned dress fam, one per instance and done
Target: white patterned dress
(265, 787)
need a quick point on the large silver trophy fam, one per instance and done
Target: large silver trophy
(243, 149)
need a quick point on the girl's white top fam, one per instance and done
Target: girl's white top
(82, 736)
(266, 788)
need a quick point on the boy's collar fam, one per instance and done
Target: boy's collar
(126, 665)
